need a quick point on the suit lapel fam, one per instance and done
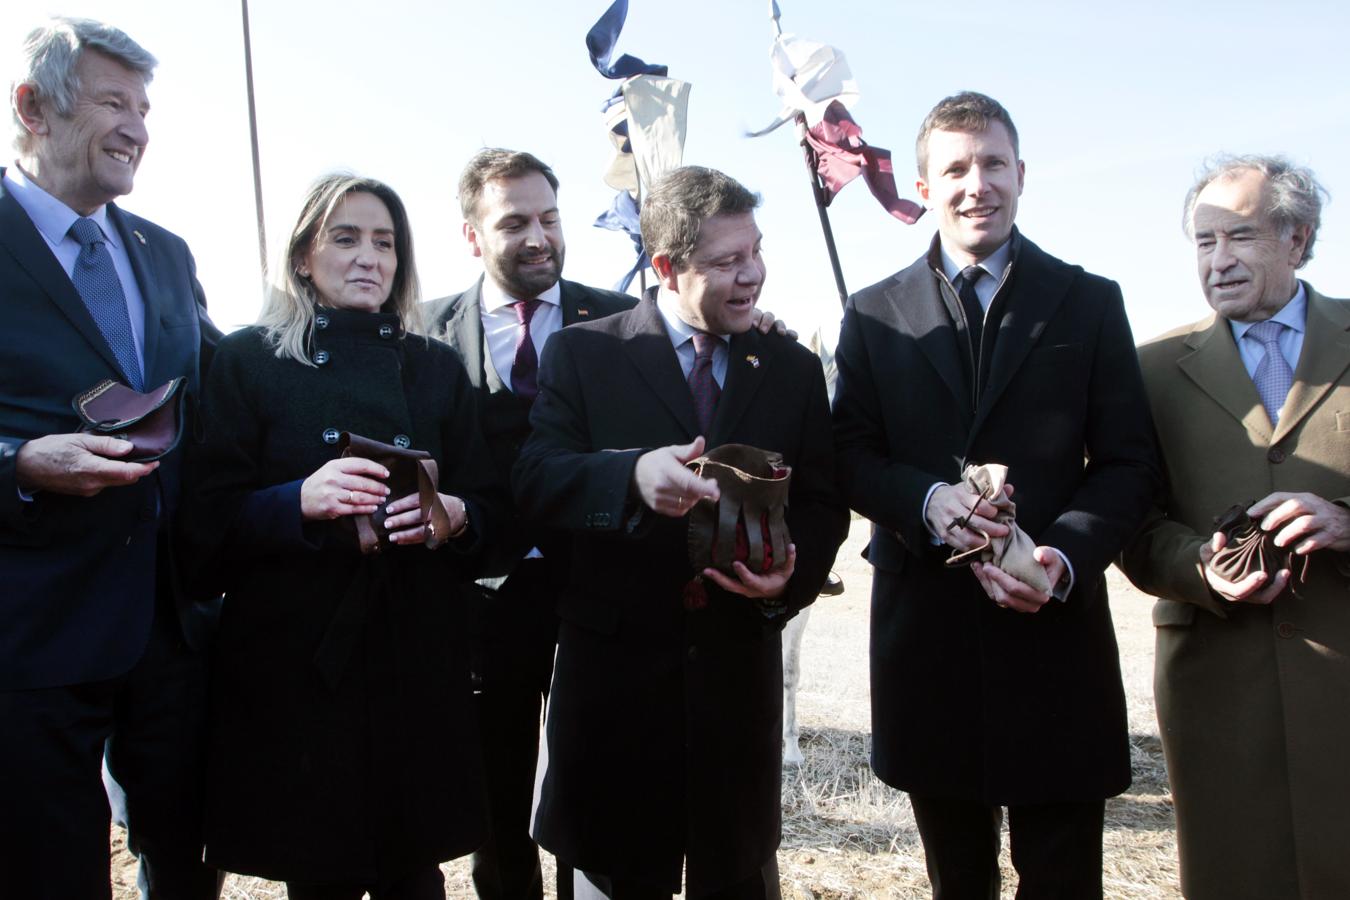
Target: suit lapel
(142, 257)
(464, 332)
(1036, 288)
(576, 306)
(748, 363)
(648, 346)
(20, 236)
(1217, 369)
(914, 297)
(1322, 362)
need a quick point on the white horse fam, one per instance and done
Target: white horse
(792, 673)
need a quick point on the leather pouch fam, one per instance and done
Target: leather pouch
(748, 523)
(1248, 549)
(152, 422)
(1013, 553)
(410, 472)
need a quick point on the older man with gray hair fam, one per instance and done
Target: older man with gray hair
(1253, 658)
(100, 659)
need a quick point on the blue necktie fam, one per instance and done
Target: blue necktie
(95, 278)
(1273, 376)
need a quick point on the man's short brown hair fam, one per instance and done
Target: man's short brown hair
(491, 164)
(969, 112)
(674, 211)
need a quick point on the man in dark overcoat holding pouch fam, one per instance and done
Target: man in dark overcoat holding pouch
(664, 730)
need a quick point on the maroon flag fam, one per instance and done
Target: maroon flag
(841, 155)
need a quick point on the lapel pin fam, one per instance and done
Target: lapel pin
(140, 237)
(753, 360)
(583, 312)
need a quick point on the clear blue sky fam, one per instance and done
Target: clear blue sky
(1117, 105)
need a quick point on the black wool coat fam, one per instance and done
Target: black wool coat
(665, 725)
(970, 700)
(343, 742)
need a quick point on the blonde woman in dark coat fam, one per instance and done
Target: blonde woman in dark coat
(344, 755)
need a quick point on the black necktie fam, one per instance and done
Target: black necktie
(974, 312)
(701, 382)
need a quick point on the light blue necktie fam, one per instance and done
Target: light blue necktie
(95, 277)
(1273, 376)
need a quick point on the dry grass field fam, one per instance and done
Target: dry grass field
(846, 836)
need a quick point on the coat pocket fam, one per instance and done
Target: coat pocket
(1171, 613)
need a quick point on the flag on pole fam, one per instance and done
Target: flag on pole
(841, 155)
(816, 87)
(646, 119)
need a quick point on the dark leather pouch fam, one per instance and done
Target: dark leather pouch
(152, 422)
(747, 524)
(1248, 549)
(410, 472)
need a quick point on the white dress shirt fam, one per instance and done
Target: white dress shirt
(501, 326)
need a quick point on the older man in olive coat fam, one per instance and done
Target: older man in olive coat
(1253, 678)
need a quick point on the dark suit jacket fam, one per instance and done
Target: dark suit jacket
(79, 573)
(642, 686)
(970, 700)
(457, 320)
(513, 638)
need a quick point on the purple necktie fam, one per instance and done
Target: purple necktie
(1273, 376)
(701, 382)
(525, 370)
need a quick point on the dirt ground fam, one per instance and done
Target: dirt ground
(846, 836)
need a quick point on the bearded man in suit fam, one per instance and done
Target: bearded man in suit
(665, 723)
(100, 658)
(1252, 676)
(509, 200)
(988, 692)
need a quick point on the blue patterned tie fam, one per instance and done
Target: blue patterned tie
(1273, 376)
(95, 278)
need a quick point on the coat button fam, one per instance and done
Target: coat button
(693, 654)
(1276, 455)
(321, 357)
(386, 331)
(330, 436)
(402, 441)
(321, 322)
(1285, 630)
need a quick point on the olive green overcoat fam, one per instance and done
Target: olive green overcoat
(1253, 701)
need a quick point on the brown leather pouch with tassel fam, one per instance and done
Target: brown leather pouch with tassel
(410, 472)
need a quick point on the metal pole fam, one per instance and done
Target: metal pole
(253, 137)
(818, 192)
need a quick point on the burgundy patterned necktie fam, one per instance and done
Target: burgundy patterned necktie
(701, 382)
(525, 370)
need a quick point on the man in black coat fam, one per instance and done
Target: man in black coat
(99, 656)
(509, 201)
(664, 725)
(985, 691)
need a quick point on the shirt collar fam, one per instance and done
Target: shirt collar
(49, 215)
(678, 329)
(994, 264)
(1294, 315)
(494, 298)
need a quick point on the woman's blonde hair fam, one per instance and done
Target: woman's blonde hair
(287, 317)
